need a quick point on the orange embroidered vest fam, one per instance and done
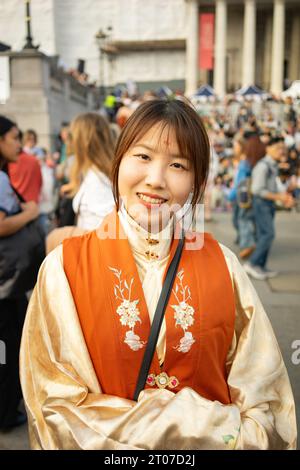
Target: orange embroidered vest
(112, 310)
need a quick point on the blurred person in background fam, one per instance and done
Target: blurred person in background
(110, 106)
(62, 142)
(284, 185)
(123, 114)
(13, 216)
(25, 176)
(265, 135)
(30, 146)
(90, 186)
(293, 160)
(242, 216)
(295, 187)
(289, 113)
(255, 148)
(64, 207)
(212, 174)
(219, 201)
(265, 194)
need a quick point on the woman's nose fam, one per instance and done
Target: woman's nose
(156, 176)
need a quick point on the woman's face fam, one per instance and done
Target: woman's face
(154, 180)
(10, 145)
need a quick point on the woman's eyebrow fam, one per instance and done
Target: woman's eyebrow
(152, 149)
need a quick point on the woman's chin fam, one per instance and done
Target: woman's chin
(153, 223)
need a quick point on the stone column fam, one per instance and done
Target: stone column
(267, 52)
(192, 39)
(294, 68)
(249, 43)
(278, 47)
(220, 48)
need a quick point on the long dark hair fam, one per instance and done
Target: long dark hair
(192, 139)
(5, 126)
(255, 149)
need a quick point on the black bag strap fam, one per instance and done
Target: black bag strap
(19, 196)
(158, 318)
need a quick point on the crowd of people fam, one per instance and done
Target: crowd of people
(117, 158)
(253, 161)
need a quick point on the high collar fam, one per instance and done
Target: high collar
(152, 247)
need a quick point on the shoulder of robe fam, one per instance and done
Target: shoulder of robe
(76, 243)
(206, 240)
(228, 253)
(78, 248)
(53, 259)
(192, 234)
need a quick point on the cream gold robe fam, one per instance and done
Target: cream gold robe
(67, 410)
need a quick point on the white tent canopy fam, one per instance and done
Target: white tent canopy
(293, 91)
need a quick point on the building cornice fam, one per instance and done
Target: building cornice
(119, 47)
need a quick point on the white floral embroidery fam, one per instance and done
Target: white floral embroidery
(133, 341)
(184, 313)
(186, 342)
(128, 311)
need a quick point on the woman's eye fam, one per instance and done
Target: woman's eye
(179, 166)
(142, 156)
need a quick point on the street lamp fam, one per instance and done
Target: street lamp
(101, 38)
(29, 43)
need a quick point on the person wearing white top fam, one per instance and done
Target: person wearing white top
(91, 143)
(94, 200)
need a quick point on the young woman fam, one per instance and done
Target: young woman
(90, 188)
(217, 379)
(92, 146)
(13, 216)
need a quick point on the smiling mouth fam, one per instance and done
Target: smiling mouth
(150, 199)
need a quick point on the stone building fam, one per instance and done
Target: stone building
(179, 43)
(41, 95)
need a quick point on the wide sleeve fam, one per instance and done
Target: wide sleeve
(67, 410)
(257, 377)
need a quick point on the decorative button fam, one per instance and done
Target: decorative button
(173, 382)
(150, 255)
(162, 380)
(151, 380)
(152, 241)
